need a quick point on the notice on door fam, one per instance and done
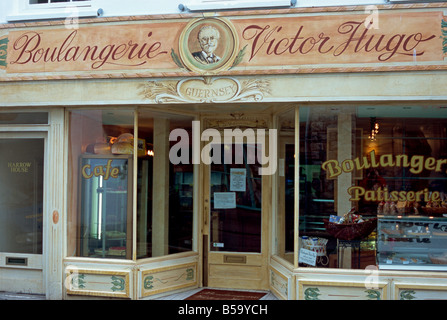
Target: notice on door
(224, 200)
(237, 179)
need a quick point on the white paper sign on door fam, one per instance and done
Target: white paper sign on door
(237, 179)
(224, 200)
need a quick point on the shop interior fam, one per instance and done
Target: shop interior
(377, 164)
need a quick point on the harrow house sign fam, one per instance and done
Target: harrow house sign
(210, 46)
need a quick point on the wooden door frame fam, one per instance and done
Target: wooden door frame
(235, 268)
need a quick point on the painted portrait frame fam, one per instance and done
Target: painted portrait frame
(227, 47)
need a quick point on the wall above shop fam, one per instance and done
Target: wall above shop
(12, 10)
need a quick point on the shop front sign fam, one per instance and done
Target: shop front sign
(290, 43)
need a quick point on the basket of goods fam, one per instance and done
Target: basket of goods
(351, 226)
(435, 208)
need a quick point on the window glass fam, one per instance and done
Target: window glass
(165, 184)
(21, 187)
(286, 180)
(101, 172)
(382, 166)
(53, 1)
(236, 198)
(23, 118)
(102, 175)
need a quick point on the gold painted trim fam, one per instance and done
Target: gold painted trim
(284, 277)
(86, 292)
(146, 293)
(234, 73)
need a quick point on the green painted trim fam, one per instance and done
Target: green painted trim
(3, 51)
(312, 294)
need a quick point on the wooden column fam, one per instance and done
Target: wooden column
(344, 147)
(160, 193)
(344, 180)
(54, 214)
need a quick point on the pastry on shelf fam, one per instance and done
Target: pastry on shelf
(418, 231)
(440, 258)
(392, 231)
(117, 251)
(115, 234)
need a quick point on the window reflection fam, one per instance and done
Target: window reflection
(21, 204)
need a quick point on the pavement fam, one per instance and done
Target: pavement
(20, 296)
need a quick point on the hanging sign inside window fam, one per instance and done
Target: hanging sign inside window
(224, 200)
(237, 179)
(106, 171)
(308, 257)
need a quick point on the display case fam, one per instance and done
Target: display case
(412, 243)
(105, 200)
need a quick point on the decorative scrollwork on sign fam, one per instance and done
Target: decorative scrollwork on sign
(444, 35)
(3, 52)
(158, 90)
(118, 283)
(148, 282)
(78, 281)
(205, 90)
(372, 294)
(312, 294)
(190, 274)
(254, 89)
(407, 294)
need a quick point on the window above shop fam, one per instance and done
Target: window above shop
(25, 10)
(58, 2)
(413, 1)
(203, 5)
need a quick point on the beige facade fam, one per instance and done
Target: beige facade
(250, 87)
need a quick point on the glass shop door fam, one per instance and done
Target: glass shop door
(22, 157)
(238, 224)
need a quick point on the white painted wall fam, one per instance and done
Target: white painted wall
(16, 10)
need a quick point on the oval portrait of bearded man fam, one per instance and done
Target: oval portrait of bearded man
(208, 45)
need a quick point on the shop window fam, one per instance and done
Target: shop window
(382, 166)
(165, 187)
(106, 184)
(101, 184)
(286, 186)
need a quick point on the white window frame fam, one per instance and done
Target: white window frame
(22, 10)
(71, 3)
(202, 5)
(414, 1)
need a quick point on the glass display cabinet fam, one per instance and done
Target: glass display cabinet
(412, 243)
(105, 205)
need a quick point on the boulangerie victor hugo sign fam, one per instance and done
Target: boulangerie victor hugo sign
(289, 43)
